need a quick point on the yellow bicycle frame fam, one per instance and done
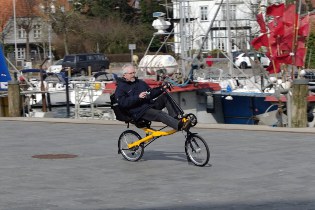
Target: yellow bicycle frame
(150, 134)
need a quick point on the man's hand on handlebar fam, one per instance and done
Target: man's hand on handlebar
(167, 85)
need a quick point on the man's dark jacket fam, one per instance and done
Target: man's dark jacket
(127, 94)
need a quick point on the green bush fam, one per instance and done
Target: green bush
(310, 56)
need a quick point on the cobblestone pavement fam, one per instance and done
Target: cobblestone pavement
(248, 170)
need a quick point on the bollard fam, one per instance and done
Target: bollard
(67, 96)
(299, 103)
(14, 99)
(69, 72)
(89, 71)
(4, 110)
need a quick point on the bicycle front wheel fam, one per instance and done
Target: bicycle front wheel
(197, 150)
(130, 154)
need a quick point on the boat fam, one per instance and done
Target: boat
(4, 72)
(233, 101)
(54, 87)
(89, 91)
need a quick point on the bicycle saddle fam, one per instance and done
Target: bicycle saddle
(141, 123)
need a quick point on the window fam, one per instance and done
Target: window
(37, 31)
(186, 11)
(91, 57)
(204, 13)
(69, 59)
(254, 8)
(232, 12)
(205, 46)
(82, 57)
(100, 57)
(221, 44)
(21, 33)
(21, 53)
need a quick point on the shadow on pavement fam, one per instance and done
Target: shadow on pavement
(270, 205)
(162, 155)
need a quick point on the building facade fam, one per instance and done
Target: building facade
(199, 15)
(26, 30)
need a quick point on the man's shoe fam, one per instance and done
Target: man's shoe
(186, 125)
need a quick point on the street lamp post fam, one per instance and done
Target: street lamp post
(15, 43)
(49, 44)
(50, 9)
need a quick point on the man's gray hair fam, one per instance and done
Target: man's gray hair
(125, 68)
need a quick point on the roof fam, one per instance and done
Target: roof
(5, 13)
(22, 9)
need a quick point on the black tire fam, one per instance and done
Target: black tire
(197, 150)
(193, 119)
(130, 154)
(243, 65)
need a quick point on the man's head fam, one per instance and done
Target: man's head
(129, 72)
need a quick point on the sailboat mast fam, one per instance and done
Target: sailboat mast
(15, 33)
(229, 47)
(182, 32)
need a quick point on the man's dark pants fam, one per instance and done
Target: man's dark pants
(155, 113)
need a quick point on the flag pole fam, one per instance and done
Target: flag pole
(307, 39)
(296, 27)
(15, 33)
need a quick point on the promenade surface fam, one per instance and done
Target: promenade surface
(251, 167)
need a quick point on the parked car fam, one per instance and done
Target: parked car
(235, 54)
(307, 74)
(243, 60)
(56, 67)
(80, 63)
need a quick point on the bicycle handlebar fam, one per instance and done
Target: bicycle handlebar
(167, 85)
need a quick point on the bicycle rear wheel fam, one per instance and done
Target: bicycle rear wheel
(130, 154)
(197, 150)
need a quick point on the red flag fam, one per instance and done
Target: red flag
(261, 22)
(300, 56)
(304, 28)
(279, 29)
(301, 42)
(276, 26)
(275, 10)
(260, 41)
(273, 70)
(289, 15)
(285, 58)
(286, 41)
(272, 38)
(273, 51)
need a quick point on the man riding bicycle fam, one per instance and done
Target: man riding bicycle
(142, 102)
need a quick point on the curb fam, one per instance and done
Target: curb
(201, 126)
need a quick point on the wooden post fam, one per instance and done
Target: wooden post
(43, 90)
(14, 99)
(69, 72)
(299, 103)
(89, 71)
(4, 110)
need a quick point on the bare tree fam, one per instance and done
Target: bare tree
(65, 21)
(25, 22)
